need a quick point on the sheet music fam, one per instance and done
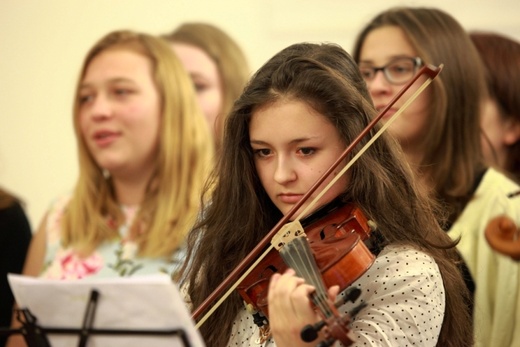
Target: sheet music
(141, 303)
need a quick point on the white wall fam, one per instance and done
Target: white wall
(42, 44)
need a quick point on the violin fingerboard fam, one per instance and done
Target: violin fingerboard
(298, 255)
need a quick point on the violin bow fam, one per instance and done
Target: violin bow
(253, 258)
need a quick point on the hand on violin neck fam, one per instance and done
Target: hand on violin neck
(291, 309)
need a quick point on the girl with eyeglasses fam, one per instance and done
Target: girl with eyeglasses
(440, 136)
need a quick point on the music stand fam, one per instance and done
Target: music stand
(36, 332)
(36, 336)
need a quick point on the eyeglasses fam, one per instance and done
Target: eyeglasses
(398, 71)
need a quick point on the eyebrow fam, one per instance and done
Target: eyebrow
(112, 80)
(197, 75)
(390, 58)
(292, 142)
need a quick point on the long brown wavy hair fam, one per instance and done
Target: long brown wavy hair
(240, 212)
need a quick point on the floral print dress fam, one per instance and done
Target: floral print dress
(117, 258)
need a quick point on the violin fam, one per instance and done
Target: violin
(326, 252)
(503, 235)
(336, 235)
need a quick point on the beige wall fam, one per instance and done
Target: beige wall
(42, 43)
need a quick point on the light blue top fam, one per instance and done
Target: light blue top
(117, 258)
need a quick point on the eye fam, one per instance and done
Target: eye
(306, 151)
(84, 98)
(200, 87)
(366, 72)
(400, 68)
(262, 152)
(122, 91)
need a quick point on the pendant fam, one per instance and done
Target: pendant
(264, 335)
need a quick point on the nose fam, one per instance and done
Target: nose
(284, 171)
(100, 108)
(379, 84)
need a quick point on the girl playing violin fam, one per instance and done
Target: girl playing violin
(293, 120)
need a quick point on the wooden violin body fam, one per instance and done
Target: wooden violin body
(336, 241)
(503, 235)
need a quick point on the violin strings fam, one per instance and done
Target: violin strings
(298, 255)
(314, 275)
(299, 261)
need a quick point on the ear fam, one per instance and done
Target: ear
(512, 131)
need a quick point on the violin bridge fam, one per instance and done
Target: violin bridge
(287, 233)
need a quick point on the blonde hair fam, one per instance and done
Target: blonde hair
(231, 62)
(172, 198)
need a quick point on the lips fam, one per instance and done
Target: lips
(289, 198)
(104, 138)
(388, 114)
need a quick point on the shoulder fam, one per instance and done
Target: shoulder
(55, 212)
(403, 294)
(400, 273)
(13, 218)
(402, 266)
(59, 204)
(496, 183)
(399, 257)
(15, 237)
(490, 199)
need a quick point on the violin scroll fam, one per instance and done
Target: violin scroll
(503, 235)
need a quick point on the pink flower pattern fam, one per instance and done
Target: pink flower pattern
(69, 266)
(117, 257)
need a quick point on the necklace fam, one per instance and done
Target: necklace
(264, 334)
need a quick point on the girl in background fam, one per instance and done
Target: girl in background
(144, 152)
(440, 136)
(217, 66)
(15, 235)
(500, 118)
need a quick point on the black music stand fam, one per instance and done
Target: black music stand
(36, 336)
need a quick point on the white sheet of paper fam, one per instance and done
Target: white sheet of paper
(140, 303)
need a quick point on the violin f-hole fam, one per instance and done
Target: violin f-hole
(324, 233)
(271, 268)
